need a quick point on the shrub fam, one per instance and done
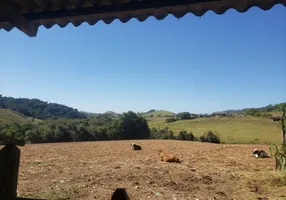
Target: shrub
(210, 136)
(170, 120)
(183, 135)
(280, 156)
(32, 136)
(252, 112)
(162, 134)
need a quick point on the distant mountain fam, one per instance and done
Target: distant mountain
(108, 114)
(111, 114)
(35, 108)
(38, 109)
(90, 114)
(231, 111)
(250, 111)
(158, 113)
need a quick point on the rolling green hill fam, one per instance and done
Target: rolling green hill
(39, 109)
(230, 129)
(272, 109)
(250, 126)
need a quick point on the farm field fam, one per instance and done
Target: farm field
(92, 170)
(231, 129)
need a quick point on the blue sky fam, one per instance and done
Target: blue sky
(193, 64)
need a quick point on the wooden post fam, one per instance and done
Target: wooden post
(120, 194)
(283, 136)
(9, 166)
(283, 125)
(277, 164)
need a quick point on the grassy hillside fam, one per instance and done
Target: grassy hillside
(270, 109)
(8, 116)
(158, 113)
(38, 109)
(231, 130)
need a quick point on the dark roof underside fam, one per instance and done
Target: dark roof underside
(28, 15)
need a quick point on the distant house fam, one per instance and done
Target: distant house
(193, 115)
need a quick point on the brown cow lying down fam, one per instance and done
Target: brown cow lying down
(168, 157)
(260, 154)
(136, 147)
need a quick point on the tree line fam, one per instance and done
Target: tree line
(128, 126)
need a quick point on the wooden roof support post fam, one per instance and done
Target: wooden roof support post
(9, 167)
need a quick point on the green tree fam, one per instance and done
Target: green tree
(33, 136)
(184, 115)
(83, 134)
(164, 133)
(48, 134)
(132, 126)
(252, 112)
(62, 134)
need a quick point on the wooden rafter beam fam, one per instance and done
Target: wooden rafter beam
(113, 8)
(22, 198)
(10, 12)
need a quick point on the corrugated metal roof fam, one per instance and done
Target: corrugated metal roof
(28, 15)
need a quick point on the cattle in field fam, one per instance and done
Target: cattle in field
(275, 118)
(260, 154)
(136, 146)
(168, 157)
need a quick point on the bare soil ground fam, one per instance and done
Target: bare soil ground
(93, 170)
